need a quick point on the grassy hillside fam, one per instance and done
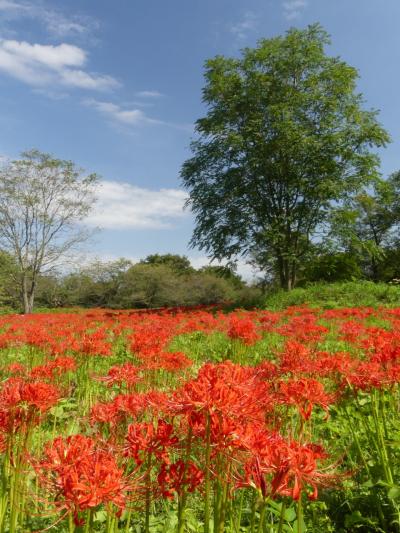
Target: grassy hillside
(333, 295)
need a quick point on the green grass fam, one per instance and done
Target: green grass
(335, 295)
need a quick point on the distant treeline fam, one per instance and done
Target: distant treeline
(169, 280)
(156, 281)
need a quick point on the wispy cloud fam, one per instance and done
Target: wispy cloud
(48, 65)
(127, 116)
(149, 94)
(125, 206)
(244, 27)
(292, 9)
(56, 22)
(130, 116)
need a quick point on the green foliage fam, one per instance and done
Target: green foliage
(158, 285)
(332, 267)
(9, 295)
(178, 263)
(224, 272)
(327, 296)
(148, 285)
(367, 226)
(285, 135)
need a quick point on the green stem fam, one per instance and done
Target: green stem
(282, 517)
(89, 521)
(128, 521)
(148, 479)
(71, 525)
(207, 477)
(253, 511)
(239, 516)
(262, 516)
(300, 528)
(183, 496)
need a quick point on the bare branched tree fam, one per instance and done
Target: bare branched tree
(43, 202)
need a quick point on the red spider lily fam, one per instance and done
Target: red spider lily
(81, 475)
(333, 365)
(267, 370)
(282, 467)
(169, 361)
(63, 364)
(126, 373)
(19, 394)
(125, 406)
(304, 393)
(393, 374)
(178, 477)
(96, 343)
(225, 388)
(16, 369)
(243, 329)
(263, 446)
(297, 469)
(296, 358)
(144, 439)
(42, 371)
(151, 338)
(352, 332)
(366, 376)
(382, 346)
(58, 366)
(303, 328)
(21, 407)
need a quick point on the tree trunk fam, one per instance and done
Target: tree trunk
(287, 273)
(28, 294)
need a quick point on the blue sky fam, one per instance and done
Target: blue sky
(116, 87)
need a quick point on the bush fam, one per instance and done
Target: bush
(249, 297)
(205, 289)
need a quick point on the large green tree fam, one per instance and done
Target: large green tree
(285, 136)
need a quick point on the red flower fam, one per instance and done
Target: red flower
(81, 474)
(243, 329)
(179, 476)
(297, 469)
(119, 374)
(304, 393)
(147, 438)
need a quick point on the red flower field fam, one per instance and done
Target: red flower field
(200, 420)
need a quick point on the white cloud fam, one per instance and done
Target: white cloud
(292, 9)
(149, 94)
(125, 206)
(56, 22)
(54, 57)
(86, 80)
(43, 65)
(247, 25)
